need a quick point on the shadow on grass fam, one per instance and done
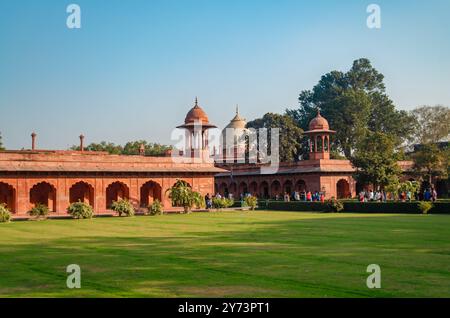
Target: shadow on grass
(323, 257)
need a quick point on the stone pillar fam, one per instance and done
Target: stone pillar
(81, 142)
(33, 141)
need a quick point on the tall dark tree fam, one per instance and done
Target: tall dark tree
(355, 103)
(375, 160)
(290, 135)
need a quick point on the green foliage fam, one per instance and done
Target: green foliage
(433, 124)
(335, 205)
(182, 195)
(5, 214)
(80, 210)
(155, 208)
(354, 103)
(359, 207)
(222, 203)
(409, 186)
(425, 206)
(290, 135)
(130, 148)
(39, 211)
(251, 202)
(123, 207)
(431, 161)
(375, 160)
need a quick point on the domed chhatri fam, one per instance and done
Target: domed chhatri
(319, 137)
(237, 122)
(196, 116)
(319, 123)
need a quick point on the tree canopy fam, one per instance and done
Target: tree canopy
(355, 104)
(433, 124)
(376, 160)
(290, 134)
(431, 161)
(130, 148)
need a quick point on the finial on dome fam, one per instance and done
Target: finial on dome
(196, 101)
(318, 111)
(237, 109)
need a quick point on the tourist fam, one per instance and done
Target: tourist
(408, 196)
(361, 196)
(308, 196)
(208, 201)
(322, 197)
(427, 195)
(371, 195)
(296, 196)
(286, 197)
(434, 195)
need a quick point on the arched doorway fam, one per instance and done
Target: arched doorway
(82, 191)
(343, 189)
(300, 186)
(8, 196)
(44, 193)
(150, 191)
(254, 188)
(116, 191)
(287, 187)
(223, 189)
(275, 189)
(243, 189)
(264, 190)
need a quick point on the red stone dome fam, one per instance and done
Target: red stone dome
(319, 123)
(196, 114)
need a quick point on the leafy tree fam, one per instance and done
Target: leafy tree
(222, 203)
(375, 160)
(182, 195)
(290, 142)
(433, 124)
(430, 161)
(130, 148)
(355, 104)
(1, 142)
(251, 202)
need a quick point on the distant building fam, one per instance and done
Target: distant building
(333, 177)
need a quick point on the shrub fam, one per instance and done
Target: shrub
(155, 208)
(39, 211)
(80, 210)
(334, 205)
(5, 215)
(123, 207)
(182, 195)
(222, 203)
(425, 206)
(251, 202)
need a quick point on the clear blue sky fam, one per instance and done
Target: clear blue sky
(134, 68)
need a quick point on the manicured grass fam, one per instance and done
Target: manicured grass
(230, 254)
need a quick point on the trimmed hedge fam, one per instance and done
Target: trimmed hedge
(356, 207)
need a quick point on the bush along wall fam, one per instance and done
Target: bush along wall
(356, 207)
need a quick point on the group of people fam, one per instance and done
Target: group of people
(370, 195)
(429, 194)
(307, 196)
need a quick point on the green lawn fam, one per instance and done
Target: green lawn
(229, 254)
